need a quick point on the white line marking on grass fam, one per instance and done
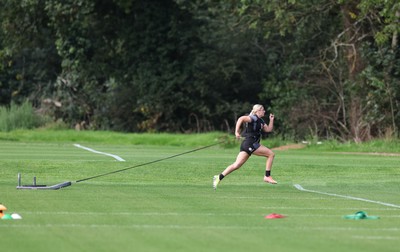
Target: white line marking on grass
(177, 226)
(142, 214)
(154, 214)
(99, 152)
(375, 237)
(299, 187)
(328, 208)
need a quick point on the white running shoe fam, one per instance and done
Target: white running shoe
(216, 181)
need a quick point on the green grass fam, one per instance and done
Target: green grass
(19, 117)
(170, 205)
(378, 145)
(108, 137)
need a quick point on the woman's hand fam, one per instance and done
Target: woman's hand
(237, 134)
(271, 116)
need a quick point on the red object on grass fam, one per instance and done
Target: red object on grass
(274, 216)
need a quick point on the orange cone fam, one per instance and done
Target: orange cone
(274, 216)
(2, 208)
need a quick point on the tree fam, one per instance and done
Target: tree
(321, 81)
(28, 57)
(188, 69)
(325, 68)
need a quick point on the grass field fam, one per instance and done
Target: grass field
(171, 206)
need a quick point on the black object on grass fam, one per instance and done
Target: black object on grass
(35, 186)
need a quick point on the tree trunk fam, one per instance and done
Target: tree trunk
(359, 130)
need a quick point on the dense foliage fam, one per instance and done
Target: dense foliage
(326, 68)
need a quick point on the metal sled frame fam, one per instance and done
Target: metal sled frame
(34, 186)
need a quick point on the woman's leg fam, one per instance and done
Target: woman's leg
(240, 160)
(269, 154)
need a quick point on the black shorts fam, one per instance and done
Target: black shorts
(249, 145)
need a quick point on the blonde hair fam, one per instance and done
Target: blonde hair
(256, 108)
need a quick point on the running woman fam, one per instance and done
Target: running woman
(254, 126)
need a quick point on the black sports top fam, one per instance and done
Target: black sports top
(254, 128)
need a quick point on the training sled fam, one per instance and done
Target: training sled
(35, 186)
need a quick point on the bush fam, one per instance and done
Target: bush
(18, 117)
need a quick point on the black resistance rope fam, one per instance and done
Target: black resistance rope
(151, 162)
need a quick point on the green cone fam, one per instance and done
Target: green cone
(6, 217)
(360, 215)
